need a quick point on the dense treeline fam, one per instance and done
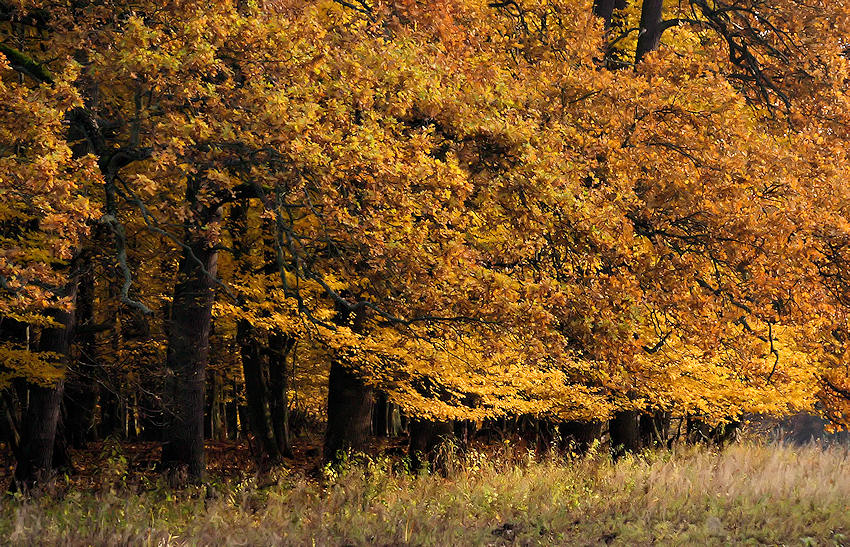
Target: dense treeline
(240, 218)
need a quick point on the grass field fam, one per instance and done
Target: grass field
(745, 494)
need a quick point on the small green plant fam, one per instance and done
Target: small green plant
(115, 467)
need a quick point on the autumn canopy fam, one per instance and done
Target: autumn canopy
(453, 211)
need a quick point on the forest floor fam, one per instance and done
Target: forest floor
(750, 493)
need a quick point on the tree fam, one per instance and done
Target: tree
(449, 204)
(45, 214)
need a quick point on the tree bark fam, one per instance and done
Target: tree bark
(279, 347)
(395, 420)
(349, 412)
(650, 28)
(256, 391)
(604, 9)
(38, 438)
(10, 423)
(654, 429)
(426, 436)
(624, 431)
(12, 405)
(349, 401)
(188, 345)
(80, 398)
(581, 435)
(215, 416)
(381, 415)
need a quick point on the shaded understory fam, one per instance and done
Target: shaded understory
(748, 493)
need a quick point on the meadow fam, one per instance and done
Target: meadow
(751, 493)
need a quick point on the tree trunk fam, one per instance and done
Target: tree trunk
(654, 429)
(279, 347)
(624, 431)
(381, 415)
(188, 346)
(426, 437)
(349, 412)
(604, 9)
(349, 401)
(110, 413)
(242, 428)
(464, 430)
(256, 392)
(580, 436)
(10, 423)
(218, 431)
(61, 461)
(38, 438)
(12, 405)
(80, 401)
(395, 420)
(232, 418)
(80, 398)
(650, 28)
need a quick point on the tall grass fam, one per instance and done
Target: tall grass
(745, 494)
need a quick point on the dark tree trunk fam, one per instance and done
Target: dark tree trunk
(580, 436)
(218, 431)
(464, 430)
(61, 454)
(654, 429)
(426, 436)
(12, 405)
(256, 391)
(625, 432)
(381, 415)
(651, 27)
(604, 9)
(232, 419)
(110, 413)
(10, 423)
(38, 438)
(80, 399)
(349, 400)
(349, 412)
(188, 352)
(188, 345)
(607, 10)
(279, 347)
(727, 433)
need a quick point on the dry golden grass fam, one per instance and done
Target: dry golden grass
(745, 494)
